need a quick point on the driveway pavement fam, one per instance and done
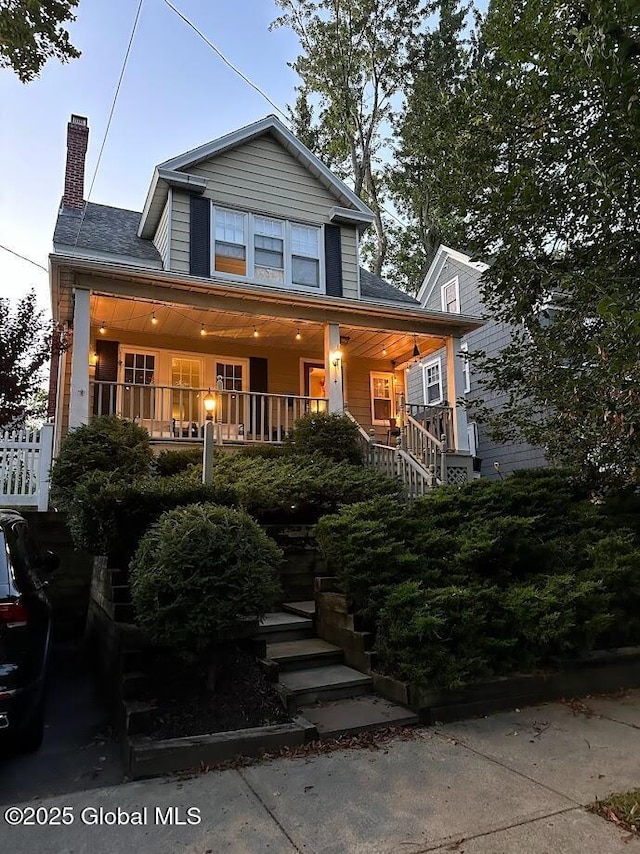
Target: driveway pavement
(77, 752)
(513, 782)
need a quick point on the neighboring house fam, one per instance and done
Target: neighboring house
(237, 287)
(452, 284)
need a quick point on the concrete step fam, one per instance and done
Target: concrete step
(318, 684)
(302, 609)
(309, 652)
(357, 714)
(279, 626)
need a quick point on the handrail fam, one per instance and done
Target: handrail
(424, 447)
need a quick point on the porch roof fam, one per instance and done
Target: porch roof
(203, 293)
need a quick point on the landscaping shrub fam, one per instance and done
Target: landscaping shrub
(107, 444)
(529, 567)
(298, 489)
(334, 437)
(168, 463)
(197, 571)
(109, 516)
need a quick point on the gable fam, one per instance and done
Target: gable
(262, 176)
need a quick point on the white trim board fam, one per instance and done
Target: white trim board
(438, 263)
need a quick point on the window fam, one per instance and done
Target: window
(139, 368)
(466, 367)
(432, 380)
(305, 260)
(266, 249)
(381, 398)
(186, 405)
(230, 252)
(450, 295)
(138, 400)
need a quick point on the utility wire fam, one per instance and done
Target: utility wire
(247, 80)
(111, 112)
(23, 257)
(226, 60)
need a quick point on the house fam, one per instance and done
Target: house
(236, 293)
(452, 285)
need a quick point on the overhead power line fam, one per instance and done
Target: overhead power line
(23, 258)
(111, 112)
(226, 61)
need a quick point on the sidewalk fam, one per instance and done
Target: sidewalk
(514, 782)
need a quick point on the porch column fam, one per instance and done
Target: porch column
(333, 367)
(79, 398)
(455, 389)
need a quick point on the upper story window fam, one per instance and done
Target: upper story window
(230, 242)
(265, 249)
(432, 382)
(450, 296)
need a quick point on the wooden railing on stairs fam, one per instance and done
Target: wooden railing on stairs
(426, 448)
(395, 462)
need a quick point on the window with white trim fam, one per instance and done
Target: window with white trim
(266, 249)
(466, 367)
(450, 296)
(432, 381)
(381, 397)
(230, 242)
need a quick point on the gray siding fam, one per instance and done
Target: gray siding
(161, 237)
(491, 338)
(262, 177)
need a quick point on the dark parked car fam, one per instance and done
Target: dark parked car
(25, 633)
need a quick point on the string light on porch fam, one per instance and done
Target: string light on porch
(203, 331)
(103, 328)
(256, 334)
(384, 351)
(298, 335)
(154, 319)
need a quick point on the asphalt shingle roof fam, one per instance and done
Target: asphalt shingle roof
(114, 230)
(105, 229)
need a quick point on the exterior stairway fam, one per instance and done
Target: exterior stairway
(314, 681)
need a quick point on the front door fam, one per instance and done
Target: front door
(314, 385)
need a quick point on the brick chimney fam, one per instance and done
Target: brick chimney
(77, 140)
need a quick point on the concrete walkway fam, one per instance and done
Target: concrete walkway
(514, 782)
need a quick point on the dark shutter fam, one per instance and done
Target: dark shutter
(104, 396)
(258, 381)
(200, 237)
(333, 260)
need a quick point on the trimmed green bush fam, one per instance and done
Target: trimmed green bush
(109, 516)
(298, 489)
(487, 579)
(197, 571)
(334, 437)
(108, 444)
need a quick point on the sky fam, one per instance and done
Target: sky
(176, 94)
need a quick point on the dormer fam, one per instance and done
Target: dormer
(257, 207)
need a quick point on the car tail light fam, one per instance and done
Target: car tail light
(13, 614)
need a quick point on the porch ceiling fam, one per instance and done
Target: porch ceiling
(122, 315)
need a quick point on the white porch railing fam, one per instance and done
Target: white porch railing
(437, 420)
(395, 462)
(25, 464)
(176, 413)
(426, 448)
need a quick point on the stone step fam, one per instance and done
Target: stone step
(318, 684)
(302, 609)
(357, 714)
(309, 652)
(279, 626)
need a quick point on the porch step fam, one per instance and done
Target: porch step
(309, 652)
(316, 684)
(279, 627)
(302, 609)
(357, 714)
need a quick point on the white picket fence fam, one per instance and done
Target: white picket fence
(25, 464)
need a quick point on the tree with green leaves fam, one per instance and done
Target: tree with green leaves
(352, 68)
(554, 162)
(24, 348)
(426, 176)
(33, 31)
